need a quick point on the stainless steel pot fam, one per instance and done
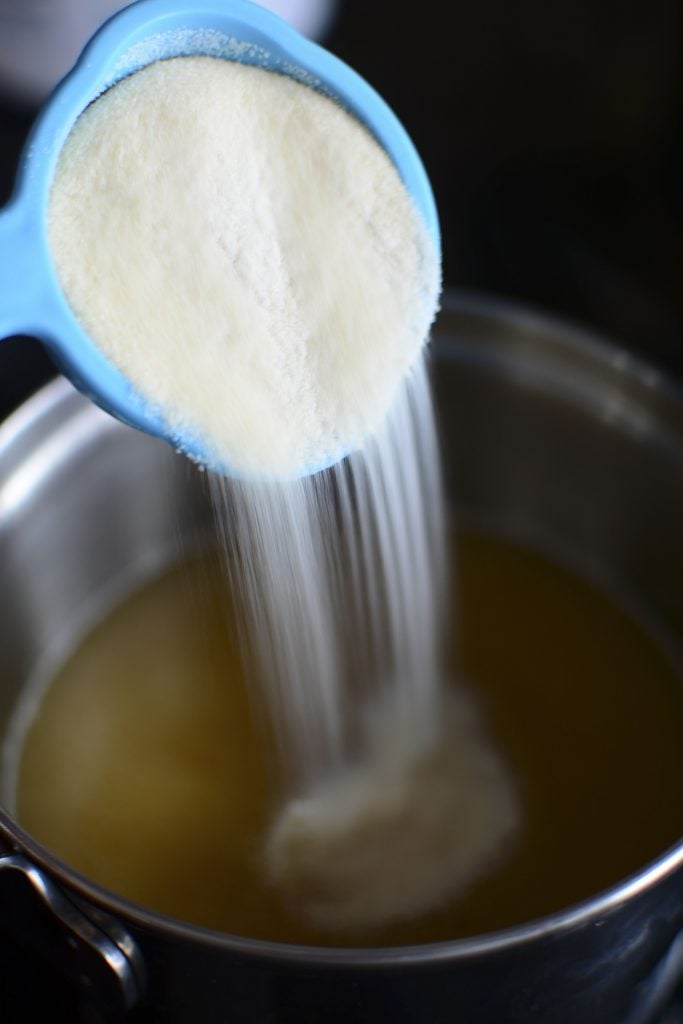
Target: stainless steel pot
(550, 433)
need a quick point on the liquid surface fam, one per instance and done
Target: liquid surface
(147, 770)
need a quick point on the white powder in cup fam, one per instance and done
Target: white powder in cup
(245, 252)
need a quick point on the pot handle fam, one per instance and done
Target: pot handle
(100, 967)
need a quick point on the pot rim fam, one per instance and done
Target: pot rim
(561, 334)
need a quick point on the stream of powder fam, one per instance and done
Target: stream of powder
(398, 801)
(342, 580)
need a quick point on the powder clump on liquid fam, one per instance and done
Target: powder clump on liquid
(402, 832)
(244, 251)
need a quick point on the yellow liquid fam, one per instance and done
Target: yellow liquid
(146, 770)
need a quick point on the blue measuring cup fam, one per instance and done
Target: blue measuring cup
(31, 299)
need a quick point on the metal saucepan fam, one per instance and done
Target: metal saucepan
(549, 432)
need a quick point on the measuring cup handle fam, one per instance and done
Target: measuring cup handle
(21, 278)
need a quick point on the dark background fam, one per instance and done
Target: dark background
(553, 136)
(552, 133)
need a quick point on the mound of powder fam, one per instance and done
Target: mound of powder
(404, 832)
(246, 254)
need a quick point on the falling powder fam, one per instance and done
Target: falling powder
(399, 800)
